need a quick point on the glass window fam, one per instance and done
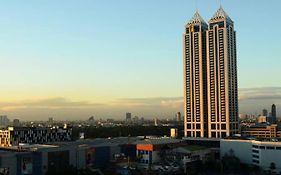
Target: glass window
(269, 147)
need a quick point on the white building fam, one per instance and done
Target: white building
(252, 152)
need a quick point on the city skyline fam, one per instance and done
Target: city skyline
(73, 60)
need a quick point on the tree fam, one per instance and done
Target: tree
(272, 167)
(230, 163)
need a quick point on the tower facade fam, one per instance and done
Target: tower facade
(211, 97)
(273, 113)
(264, 112)
(222, 76)
(195, 120)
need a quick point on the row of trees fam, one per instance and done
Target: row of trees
(105, 132)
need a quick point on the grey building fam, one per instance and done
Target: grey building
(273, 113)
(264, 112)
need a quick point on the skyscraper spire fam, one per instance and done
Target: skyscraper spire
(220, 15)
(196, 19)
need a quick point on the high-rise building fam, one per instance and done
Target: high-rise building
(222, 76)
(4, 121)
(16, 123)
(264, 112)
(128, 117)
(210, 77)
(273, 113)
(178, 116)
(195, 101)
(155, 121)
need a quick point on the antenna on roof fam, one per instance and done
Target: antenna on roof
(220, 3)
(196, 5)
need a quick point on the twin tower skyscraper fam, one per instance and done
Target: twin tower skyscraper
(210, 77)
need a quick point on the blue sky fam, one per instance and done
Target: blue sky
(101, 51)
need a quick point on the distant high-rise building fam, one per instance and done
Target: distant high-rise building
(128, 117)
(210, 77)
(4, 121)
(273, 113)
(51, 120)
(136, 120)
(142, 120)
(16, 122)
(91, 120)
(264, 112)
(155, 121)
(178, 116)
(270, 118)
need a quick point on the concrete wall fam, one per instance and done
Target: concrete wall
(242, 149)
(9, 161)
(268, 156)
(114, 150)
(81, 158)
(155, 156)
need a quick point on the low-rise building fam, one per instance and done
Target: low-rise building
(34, 135)
(149, 151)
(38, 159)
(253, 152)
(262, 119)
(5, 138)
(262, 130)
(188, 154)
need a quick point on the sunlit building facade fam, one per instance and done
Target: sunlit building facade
(195, 118)
(210, 77)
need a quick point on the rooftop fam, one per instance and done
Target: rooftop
(220, 15)
(196, 19)
(158, 141)
(189, 149)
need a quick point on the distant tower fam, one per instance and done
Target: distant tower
(264, 112)
(4, 121)
(270, 118)
(155, 121)
(16, 122)
(51, 120)
(128, 117)
(273, 113)
(178, 116)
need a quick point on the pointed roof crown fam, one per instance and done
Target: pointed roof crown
(220, 15)
(196, 19)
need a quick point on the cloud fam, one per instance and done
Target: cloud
(168, 102)
(251, 101)
(176, 103)
(265, 93)
(50, 103)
